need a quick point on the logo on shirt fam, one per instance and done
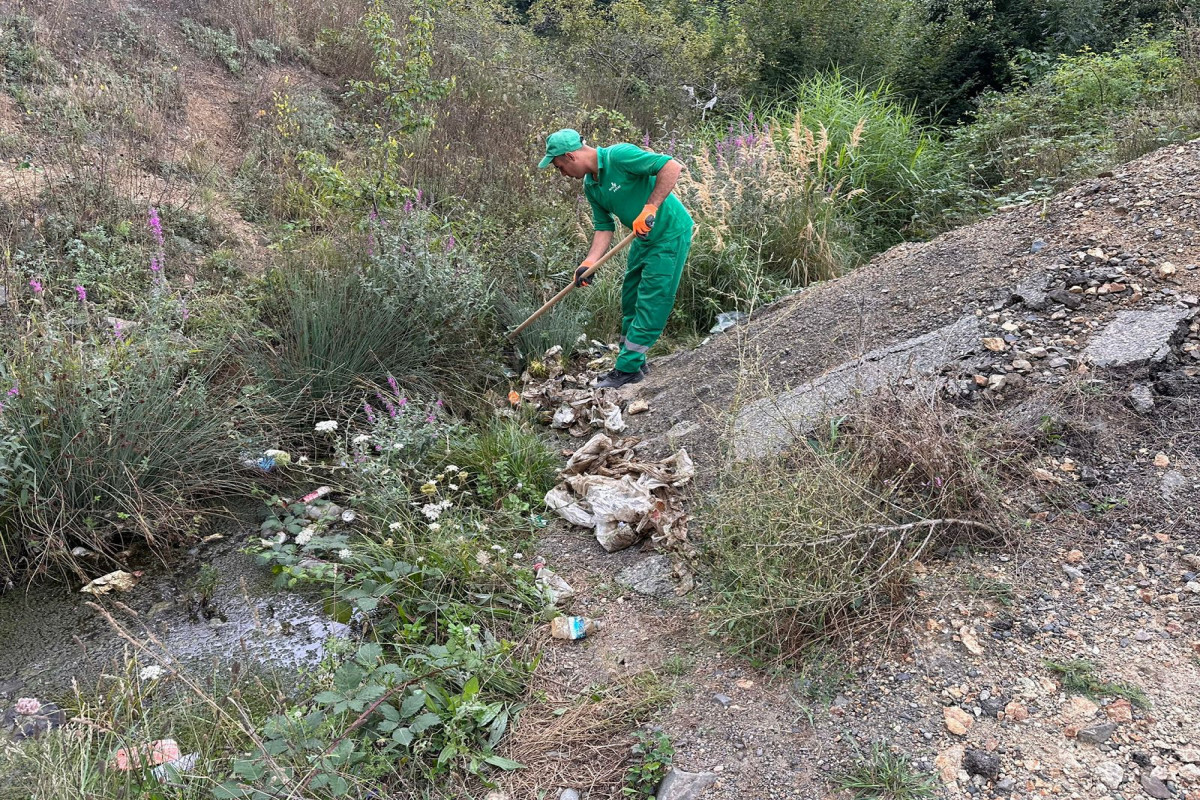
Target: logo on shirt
(614, 187)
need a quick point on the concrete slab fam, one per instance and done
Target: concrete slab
(1137, 338)
(769, 425)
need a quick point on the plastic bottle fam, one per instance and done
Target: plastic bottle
(572, 627)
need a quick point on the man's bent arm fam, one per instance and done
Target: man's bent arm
(665, 182)
(600, 242)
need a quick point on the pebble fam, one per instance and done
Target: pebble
(957, 721)
(723, 699)
(569, 794)
(1110, 774)
(1097, 734)
(1155, 788)
(981, 762)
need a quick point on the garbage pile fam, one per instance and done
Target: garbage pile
(560, 391)
(606, 485)
(607, 488)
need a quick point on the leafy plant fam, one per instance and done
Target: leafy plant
(652, 755)
(213, 43)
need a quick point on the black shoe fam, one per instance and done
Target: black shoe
(645, 370)
(616, 379)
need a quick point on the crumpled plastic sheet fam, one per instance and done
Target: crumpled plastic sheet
(623, 499)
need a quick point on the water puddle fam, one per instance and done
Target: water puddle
(48, 637)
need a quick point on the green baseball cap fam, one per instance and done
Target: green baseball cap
(559, 142)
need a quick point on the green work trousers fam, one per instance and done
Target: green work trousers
(648, 294)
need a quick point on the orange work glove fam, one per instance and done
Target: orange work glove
(581, 281)
(645, 221)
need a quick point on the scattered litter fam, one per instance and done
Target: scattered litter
(172, 770)
(349, 516)
(613, 423)
(551, 584)
(160, 752)
(726, 320)
(563, 418)
(82, 552)
(120, 580)
(316, 493)
(573, 627)
(318, 512)
(268, 460)
(639, 406)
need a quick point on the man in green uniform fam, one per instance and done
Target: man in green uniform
(634, 186)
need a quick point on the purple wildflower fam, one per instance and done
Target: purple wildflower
(418, 196)
(408, 206)
(439, 404)
(391, 408)
(81, 293)
(392, 382)
(155, 266)
(370, 412)
(450, 242)
(184, 311)
(156, 227)
(429, 418)
(14, 391)
(36, 285)
(750, 118)
(403, 402)
(646, 140)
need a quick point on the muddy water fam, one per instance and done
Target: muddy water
(49, 637)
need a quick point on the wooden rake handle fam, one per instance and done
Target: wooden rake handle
(621, 245)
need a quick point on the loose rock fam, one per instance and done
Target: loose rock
(680, 785)
(1110, 774)
(957, 721)
(1155, 788)
(981, 762)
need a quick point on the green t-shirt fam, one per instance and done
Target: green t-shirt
(624, 180)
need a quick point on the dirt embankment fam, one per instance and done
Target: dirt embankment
(1082, 307)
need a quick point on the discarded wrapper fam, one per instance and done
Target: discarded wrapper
(120, 580)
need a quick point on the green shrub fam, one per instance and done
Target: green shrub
(416, 308)
(806, 544)
(212, 43)
(1076, 115)
(513, 466)
(105, 444)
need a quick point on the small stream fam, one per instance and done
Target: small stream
(49, 637)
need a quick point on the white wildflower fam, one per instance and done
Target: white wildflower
(518, 556)
(454, 487)
(483, 558)
(344, 554)
(328, 426)
(394, 526)
(451, 468)
(305, 536)
(435, 526)
(398, 446)
(151, 673)
(362, 438)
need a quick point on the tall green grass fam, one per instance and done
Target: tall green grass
(105, 443)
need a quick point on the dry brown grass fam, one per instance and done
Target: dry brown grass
(568, 740)
(823, 540)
